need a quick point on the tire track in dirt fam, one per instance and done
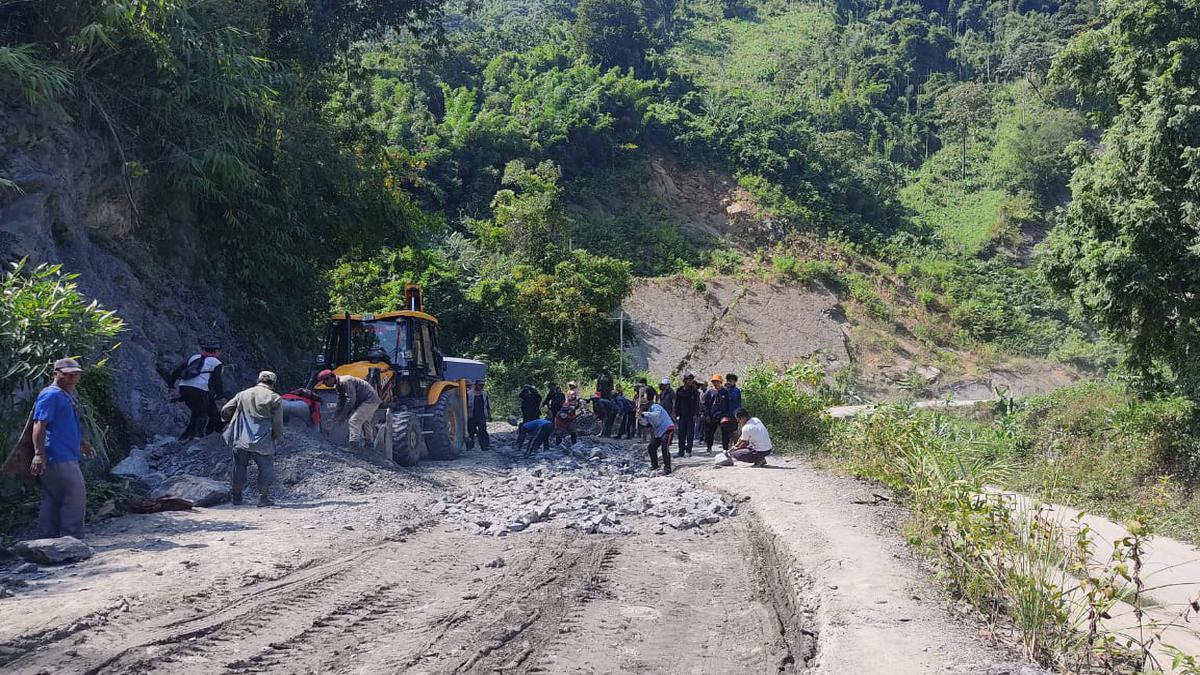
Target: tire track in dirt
(137, 644)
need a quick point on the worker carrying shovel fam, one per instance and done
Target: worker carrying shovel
(357, 403)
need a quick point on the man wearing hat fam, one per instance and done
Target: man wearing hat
(255, 419)
(479, 413)
(666, 396)
(199, 380)
(718, 413)
(687, 406)
(57, 444)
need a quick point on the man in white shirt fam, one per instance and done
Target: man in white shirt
(199, 380)
(754, 443)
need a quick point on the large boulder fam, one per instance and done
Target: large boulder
(53, 551)
(199, 491)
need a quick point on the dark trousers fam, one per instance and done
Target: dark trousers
(710, 434)
(747, 455)
(687, 434)
(660, 445)
(64, 501)
(241, 464)
(215, 424)
(608, 426)
(200, 403)
(559, 438)
(542, 437)
(627, 422)
(478, 428)
(530, 414)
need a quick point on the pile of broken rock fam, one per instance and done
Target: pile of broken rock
(598, 488)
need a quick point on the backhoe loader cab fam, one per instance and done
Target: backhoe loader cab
(423, 412)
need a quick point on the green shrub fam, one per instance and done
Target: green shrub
(726, 261)
(22, 71)
(696, 277)
(44, 317)
(791, 403)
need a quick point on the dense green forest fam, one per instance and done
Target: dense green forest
(477, 146)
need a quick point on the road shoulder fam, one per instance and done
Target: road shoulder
(871, 602)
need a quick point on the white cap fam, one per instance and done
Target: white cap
(665, 380)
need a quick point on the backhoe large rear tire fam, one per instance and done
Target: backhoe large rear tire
(447, 425)
(408, 443)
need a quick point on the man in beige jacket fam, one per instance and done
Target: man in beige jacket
(357, 403)
(255, 419)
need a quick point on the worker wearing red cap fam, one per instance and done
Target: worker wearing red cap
(357, 403)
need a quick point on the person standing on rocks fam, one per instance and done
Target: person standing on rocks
(57, 445)
(606, 411)
(554, 400)
(255, 418)
(666, 396)
(604, 384)
(754, 443)
(735, 394)
(687, 405)
(530, 403)
(480, 407)
(573, 400)
(357, 403)
(661, 431)
(645, 394)
(199, 381)
(624, 414)
(718, 414)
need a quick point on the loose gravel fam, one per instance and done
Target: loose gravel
(595, 486)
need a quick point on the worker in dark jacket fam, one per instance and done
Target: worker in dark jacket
(687, 406)
(604, 384)
(718, 413)
(606, 411)
(531, 403)
(554, 400)
(479, 413)
(625, 414)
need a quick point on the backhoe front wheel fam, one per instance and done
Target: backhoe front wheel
(446, 426)
(408, 443)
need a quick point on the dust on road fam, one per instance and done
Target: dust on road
(369, 582)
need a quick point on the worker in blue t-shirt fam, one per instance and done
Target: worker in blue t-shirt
(57, 444)
(537, 431)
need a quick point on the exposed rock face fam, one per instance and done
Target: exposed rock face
(72, 207)
(53, 551)
(731, 325)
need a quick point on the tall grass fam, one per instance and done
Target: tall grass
(1024, 569)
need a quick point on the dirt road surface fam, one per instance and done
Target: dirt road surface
(402, 580)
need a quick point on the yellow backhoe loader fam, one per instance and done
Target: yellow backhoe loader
(424, 393)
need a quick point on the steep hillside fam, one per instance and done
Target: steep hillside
(69, 205)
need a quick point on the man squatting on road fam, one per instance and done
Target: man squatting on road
(255, 419)
(754, 444)
(357, 403)
(57, 445)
